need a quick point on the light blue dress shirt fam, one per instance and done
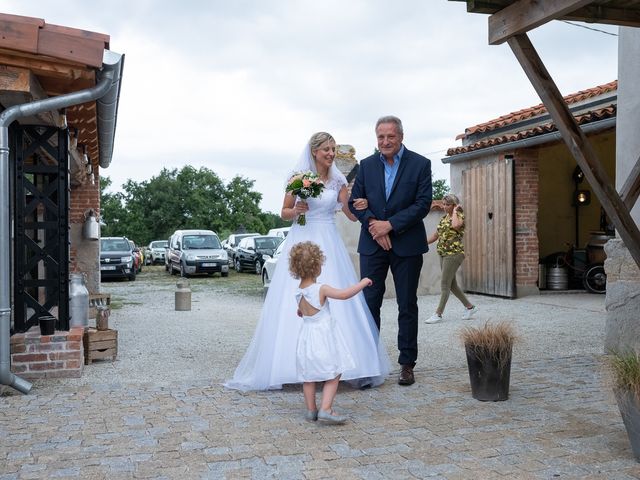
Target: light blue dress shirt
(390, 171)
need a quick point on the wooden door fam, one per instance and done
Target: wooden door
(489, 237)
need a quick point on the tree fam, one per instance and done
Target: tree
(183, 199)
(440, 189)
(112, 211)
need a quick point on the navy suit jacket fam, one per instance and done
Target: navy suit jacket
(409, 202)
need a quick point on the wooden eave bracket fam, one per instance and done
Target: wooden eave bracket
(580, 147)
(631, 188)
(525, 15)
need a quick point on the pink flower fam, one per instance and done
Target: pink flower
(306, 182)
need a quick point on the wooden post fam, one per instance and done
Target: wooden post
(577, 141)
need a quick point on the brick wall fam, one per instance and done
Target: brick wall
(84, 254)
(82, 198)
(526, 218)
(35, 356)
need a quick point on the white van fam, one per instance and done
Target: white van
(279, 232)
(193, 252)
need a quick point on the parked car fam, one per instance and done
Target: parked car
(279, 232)
(156, 251)
(269, 266)
(252, 252)
(166, 254)
(194, 252)
(116, 258)
(138, 257)
(231, 244)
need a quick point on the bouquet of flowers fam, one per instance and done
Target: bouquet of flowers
(305, 185)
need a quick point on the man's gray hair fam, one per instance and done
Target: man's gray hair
(391, 119)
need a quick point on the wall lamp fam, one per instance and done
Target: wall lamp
(581, 198)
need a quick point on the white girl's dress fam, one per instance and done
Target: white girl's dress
(271, 359)
(322, 352)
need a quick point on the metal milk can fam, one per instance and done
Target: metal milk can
(78, 301)
(91, 227)
(183, 296)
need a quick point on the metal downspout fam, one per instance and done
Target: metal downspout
(110, 76)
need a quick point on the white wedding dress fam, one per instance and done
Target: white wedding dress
(270, 360)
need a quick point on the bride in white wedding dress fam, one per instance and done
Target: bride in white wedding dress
(270, 359)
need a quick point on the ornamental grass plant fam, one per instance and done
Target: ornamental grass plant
(491, 342)
(625, 368)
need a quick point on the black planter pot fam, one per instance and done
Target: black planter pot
(489, 379)
(47, 325)
(630, 411)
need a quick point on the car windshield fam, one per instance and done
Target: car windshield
(114, 245)
(240, 237)
(159, 244)
(195, 242)
(266, 243)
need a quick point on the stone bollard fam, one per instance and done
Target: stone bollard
(183, 295)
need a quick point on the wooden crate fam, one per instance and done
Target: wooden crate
(100, 344)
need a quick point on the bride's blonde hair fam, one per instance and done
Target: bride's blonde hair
(318, 139)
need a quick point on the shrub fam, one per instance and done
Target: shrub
(493, 341)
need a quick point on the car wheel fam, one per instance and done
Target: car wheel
(265, 278)
(132, 277)
(225, 274)
(258, 267)
(183, 273)
(238, 266)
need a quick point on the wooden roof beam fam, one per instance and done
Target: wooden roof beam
(18, 86)
(525, 15)
(631, 188)
(624, 17)
(577, 142)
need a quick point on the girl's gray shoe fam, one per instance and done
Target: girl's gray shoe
(328, 418)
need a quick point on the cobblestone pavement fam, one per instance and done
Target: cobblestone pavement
(560, 421)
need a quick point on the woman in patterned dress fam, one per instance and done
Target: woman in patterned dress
(449, 234)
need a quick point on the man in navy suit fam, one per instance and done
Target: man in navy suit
(397, 185)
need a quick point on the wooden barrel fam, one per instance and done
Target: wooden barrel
(557, 278)
(595, 247)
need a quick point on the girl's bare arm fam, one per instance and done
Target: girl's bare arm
(327, 291)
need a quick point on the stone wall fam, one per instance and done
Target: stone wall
(622, 329)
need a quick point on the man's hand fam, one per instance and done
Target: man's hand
(384, 241)
(378, 228)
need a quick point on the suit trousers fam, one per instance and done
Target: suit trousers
(406, 275)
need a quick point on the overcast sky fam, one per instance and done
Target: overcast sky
(238, 86)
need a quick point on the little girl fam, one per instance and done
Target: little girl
(322, 353)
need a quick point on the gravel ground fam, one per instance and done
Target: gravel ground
(160, 345)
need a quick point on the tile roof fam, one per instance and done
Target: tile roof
(513, 118)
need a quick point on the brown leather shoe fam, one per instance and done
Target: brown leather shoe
(406, 376)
